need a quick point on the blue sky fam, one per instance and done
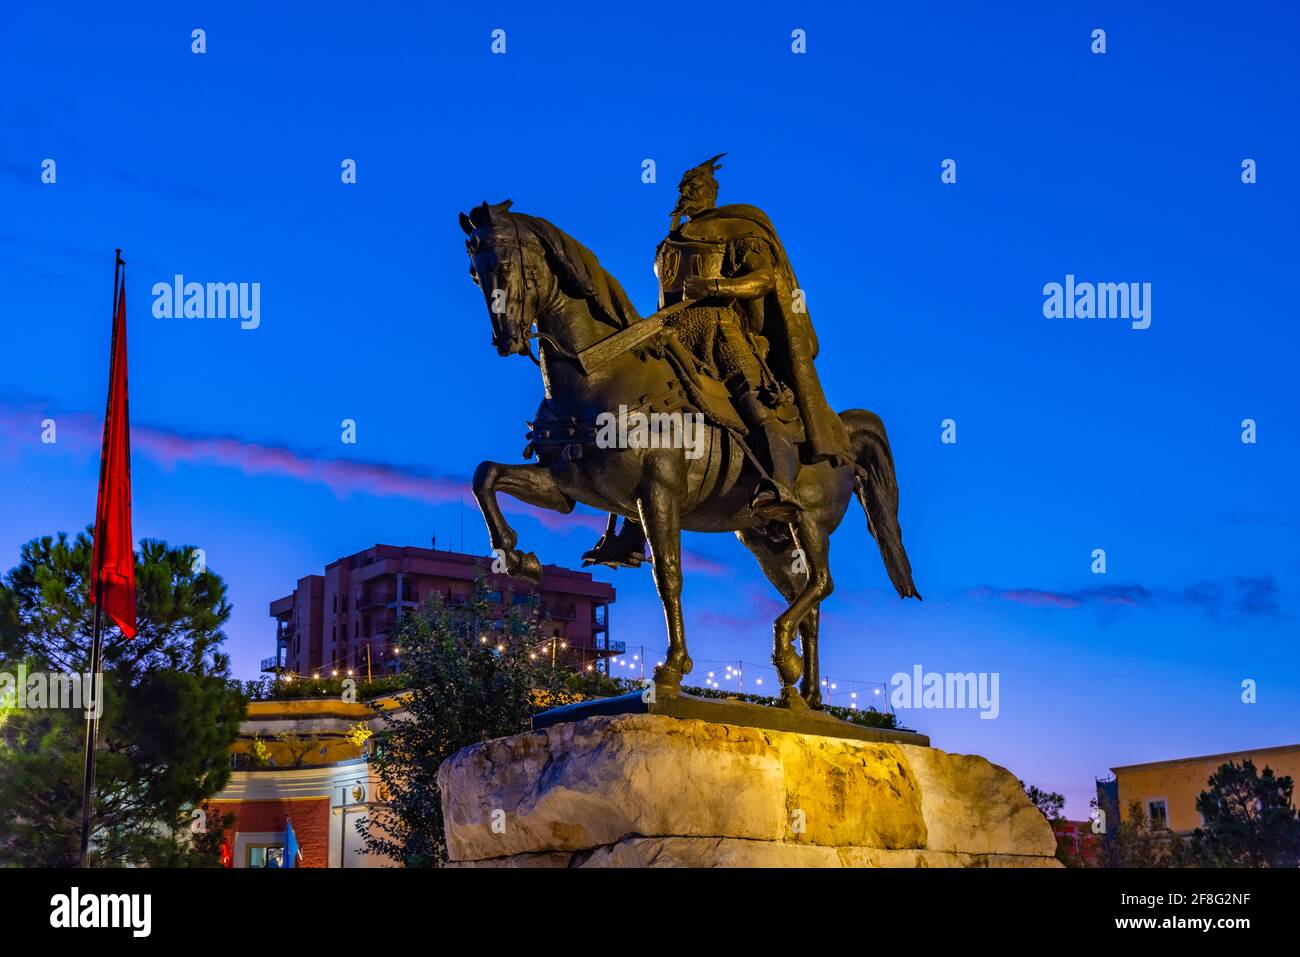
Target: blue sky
(1072, 434)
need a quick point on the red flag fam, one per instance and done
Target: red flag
(112, 572)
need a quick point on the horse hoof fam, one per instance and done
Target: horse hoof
(788, 663)
(792, 699)
(813, 697)
(669, 674)
(668, 681)
(526, 566)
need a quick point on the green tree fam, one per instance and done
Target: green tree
(1249, 819)
(1051, 805)
(170, 709)
(1132, 842)
(468, 678)
(298, 746)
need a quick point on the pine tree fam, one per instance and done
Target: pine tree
(1249, 819)
(170, 710)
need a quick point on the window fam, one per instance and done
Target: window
(336, 603)
(366, 629)
(1158, 812)
(266, 855)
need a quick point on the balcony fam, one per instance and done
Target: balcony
(615, 647)
(560, 612)
(273, 664)
(375, 597)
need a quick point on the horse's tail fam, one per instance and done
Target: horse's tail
(877, 491)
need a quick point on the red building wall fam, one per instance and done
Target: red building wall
(341, 621)
(310, 816)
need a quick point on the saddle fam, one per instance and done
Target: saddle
(684, 387)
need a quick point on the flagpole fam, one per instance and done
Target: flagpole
(96, 644)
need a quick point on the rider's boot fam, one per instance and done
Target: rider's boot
(775, 500)
(626, 549)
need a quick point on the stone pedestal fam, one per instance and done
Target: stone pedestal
(647, 790)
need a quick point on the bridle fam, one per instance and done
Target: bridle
(525, 275)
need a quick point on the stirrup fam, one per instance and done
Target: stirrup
(612, 556)
(771, 505)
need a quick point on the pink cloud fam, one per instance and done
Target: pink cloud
(79, 434)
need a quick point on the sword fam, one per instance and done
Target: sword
(597, 356)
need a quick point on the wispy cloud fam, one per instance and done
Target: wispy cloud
(1235, 596)
(79, 433)
(757, 608)
(167, 188)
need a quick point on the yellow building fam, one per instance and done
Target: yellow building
(297, 732)
(1167, 790)
(303, 760)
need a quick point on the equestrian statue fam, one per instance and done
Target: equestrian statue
(732, 342)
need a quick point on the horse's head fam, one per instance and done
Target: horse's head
(505, 261)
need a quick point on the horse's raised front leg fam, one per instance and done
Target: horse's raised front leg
(660, 510)
(532, 484)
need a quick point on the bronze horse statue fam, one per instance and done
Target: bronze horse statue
(534, 276)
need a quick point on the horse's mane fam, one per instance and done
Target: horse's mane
(579, 271)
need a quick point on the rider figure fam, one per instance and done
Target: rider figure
(744, 329)
(726, 266)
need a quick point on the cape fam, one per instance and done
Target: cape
(793, 341)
